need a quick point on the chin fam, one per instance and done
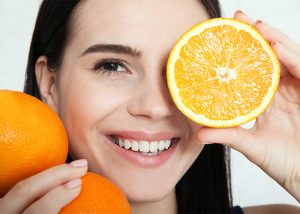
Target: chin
(149, 191)
(148, 196)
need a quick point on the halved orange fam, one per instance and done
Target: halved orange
(222, 73)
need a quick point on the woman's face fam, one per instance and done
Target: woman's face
(111, 91)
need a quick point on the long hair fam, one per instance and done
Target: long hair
(205, 188)
(49, 38)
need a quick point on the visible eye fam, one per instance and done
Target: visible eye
(110, 66)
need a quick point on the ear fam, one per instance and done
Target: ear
(46, 80)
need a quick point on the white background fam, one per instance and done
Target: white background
(250, 185)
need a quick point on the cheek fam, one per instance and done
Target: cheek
(189, 148)
(83, 106)
(194, 147)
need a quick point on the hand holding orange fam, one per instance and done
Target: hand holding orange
(273, 143)
(33, 139)
(222, 73)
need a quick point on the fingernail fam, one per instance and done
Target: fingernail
(277, 44)
(238, 11)
(79, 163)
(258, 22)
(73, 183)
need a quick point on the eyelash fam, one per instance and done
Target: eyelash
(100, 66)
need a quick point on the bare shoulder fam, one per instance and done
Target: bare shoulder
(272, 209)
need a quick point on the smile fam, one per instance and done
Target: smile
(144, 147)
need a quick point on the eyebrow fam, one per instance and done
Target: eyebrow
(112, 48)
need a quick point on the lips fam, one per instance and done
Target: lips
(144, 149)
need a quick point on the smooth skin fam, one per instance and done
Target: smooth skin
(273, 143)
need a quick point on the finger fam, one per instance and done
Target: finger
(27, 191)
(226, 136)
(240, 15)
(289, 59)
(273, 35)
(287, 50)
(56, 199)
(236, 138)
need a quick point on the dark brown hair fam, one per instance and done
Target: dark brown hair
(205, 188)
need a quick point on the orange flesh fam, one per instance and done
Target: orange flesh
(229, 70)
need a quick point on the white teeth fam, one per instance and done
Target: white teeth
(121, 142)
(161, 145)
(145, 147)
(167, 144)
(127, 144)
(134, 146)
(154, 146)
(150, 153)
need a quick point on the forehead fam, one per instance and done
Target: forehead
(135, 22)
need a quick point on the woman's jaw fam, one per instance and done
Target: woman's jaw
(143, 176)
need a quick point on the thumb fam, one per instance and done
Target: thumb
(237, 138)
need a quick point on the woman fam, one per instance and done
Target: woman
(101, 65)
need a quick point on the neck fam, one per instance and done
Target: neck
(166, 205)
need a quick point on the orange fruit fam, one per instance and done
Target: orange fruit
(98, 195)
(32, 138)
(222, 73)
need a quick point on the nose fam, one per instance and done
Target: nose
(153, 101)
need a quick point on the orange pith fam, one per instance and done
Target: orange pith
(222, 73)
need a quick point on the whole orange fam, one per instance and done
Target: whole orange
(32, 138)
(98, 195)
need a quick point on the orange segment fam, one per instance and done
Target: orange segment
(222, 73)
